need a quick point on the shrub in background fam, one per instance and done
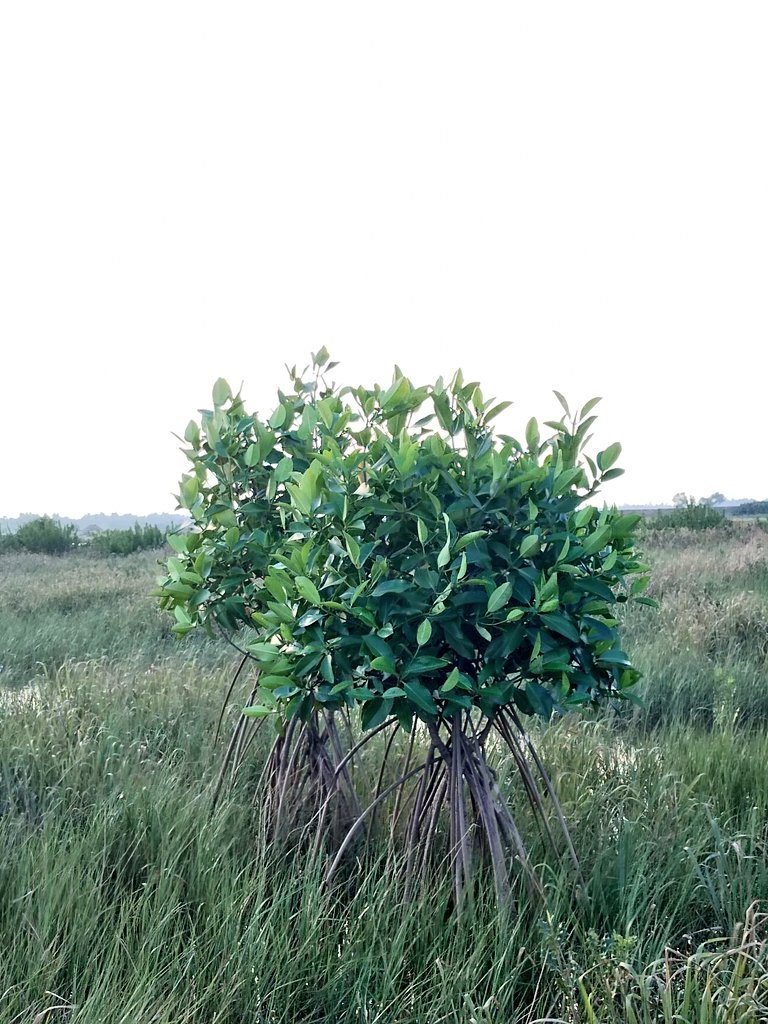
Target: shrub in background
(693, 516)
(46, 536)
(125, 542)
(8, 542)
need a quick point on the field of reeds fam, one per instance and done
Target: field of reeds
(124, 899)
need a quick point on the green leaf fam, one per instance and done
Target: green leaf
(559, 624)
(536, 647)
(550, 587)
(419, 695)
(532, 435)
(607, 458)
(499, 598)
(629, 677)
(588, 407)
(374, 712)
(377, 645)
(391, 587)
(271, 682)
(353, 549)
(495, 411)
(451, 682)
(192, 434)
(326, 669)
(178, 542)
(232, 536)
(282, 611)
(530, 546)
(584, 516)
(467, 538)
(222, 392)
(422, 531)
(308, 590)
(181, 616)
(614, 657)
(283, 469)
(541, 699)
(445, 555)
(597, 541)
(252, 455)
(278, 417)
(189, 490)
(285, 691)
(385, 665)
(396, 394)
(562, 402)
(424, 632)
(325, 408)
(258, 711)
(423, 664)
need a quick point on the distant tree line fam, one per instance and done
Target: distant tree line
(691, 516)
(750, 508)
(704, 513)
(49, 536)
(94, 522)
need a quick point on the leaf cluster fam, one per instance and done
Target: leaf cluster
(384, 549)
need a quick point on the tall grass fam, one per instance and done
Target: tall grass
(705, 652)
(84, 608)
(123, 899)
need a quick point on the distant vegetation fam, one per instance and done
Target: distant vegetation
(41, 536)
(96, 522)
(47, 536)
(751, 508)
(125, 542)
(692, 516)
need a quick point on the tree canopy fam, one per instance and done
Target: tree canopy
(388, 551)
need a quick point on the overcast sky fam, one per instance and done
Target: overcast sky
(549, 195)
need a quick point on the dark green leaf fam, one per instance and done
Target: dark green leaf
(390, 587)
(419, 695)
(308, 590)
(422, 664)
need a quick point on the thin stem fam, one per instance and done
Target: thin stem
(232, 685)
(382, 769)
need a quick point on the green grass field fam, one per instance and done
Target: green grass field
(122, 899)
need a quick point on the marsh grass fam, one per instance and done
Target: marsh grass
(704, 654)
(122, 899)
(83, 607)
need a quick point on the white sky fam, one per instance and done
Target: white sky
(560, 195)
